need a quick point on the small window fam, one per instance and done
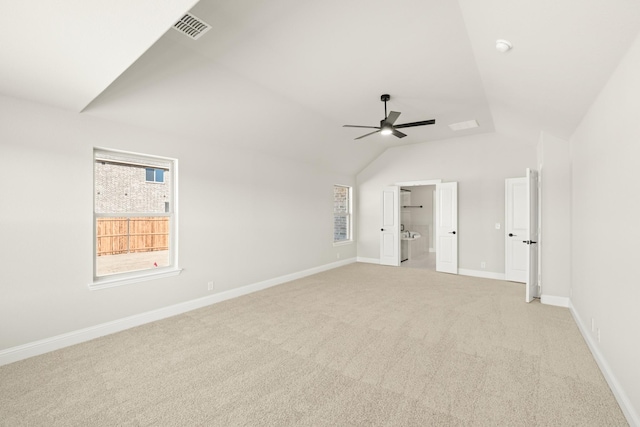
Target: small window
(341, 213)
(134, 223)
(154, 175)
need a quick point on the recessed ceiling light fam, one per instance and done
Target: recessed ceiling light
(469, 124)
(503, 46)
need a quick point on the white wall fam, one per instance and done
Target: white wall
(555, 232)
(245, 217)
(479, 163)
(605, 215)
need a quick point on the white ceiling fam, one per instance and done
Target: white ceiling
(283, 76)
(65, 52)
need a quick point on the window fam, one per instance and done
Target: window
(154, 175)
(341, 213)
(134, 219)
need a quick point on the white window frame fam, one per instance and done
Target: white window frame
(125, 278)
(348, 215)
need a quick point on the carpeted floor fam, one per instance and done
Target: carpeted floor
(362, 345)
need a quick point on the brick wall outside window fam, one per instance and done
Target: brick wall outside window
(341, 213)
(131, 192)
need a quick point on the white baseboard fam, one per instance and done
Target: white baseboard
(57, 342)
(481, 273)
(623, 400)
(557, 301)
(368, 260)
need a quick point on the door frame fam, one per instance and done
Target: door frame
(418, 183)
(533, 286)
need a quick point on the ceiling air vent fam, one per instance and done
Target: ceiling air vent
(464, 125)
(191, 26)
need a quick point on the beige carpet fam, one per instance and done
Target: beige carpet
(362, 345)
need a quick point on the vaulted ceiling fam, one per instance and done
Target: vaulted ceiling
(283, 76)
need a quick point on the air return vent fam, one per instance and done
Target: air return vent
(464, 125)
(191, 26)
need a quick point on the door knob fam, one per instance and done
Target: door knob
(382, 229)
(529, 242)
(511, 235)
(452, 232)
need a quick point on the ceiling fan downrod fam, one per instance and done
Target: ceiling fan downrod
(384, 98)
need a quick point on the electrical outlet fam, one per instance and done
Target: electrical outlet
(209, 286)
(598, 334)
(483, 264)
(497, 226)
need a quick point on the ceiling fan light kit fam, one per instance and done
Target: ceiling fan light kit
(387, 126)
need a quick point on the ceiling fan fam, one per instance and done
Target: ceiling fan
(387, 126)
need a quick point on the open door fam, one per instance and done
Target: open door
(390, 230)
(521, 226)
(516, 229)
(447, 227)
(532, 238)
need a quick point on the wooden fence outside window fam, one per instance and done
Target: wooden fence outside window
(128, 235)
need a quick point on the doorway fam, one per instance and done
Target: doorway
(417, 219)
(444, 228)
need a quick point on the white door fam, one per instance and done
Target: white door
(516, 229)
(532, 238)
(447, 227)
(390, 230)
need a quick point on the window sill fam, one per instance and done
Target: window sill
(129, 278)
(343, 243)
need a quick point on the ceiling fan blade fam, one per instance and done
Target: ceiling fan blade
(392, 117)
(398, 133)
(363, 127)
(422, 123)
(360, 137)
